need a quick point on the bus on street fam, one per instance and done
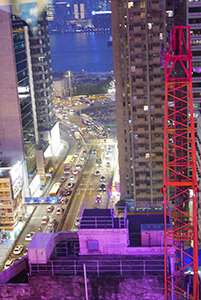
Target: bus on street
(99, 158)
(99, 127)
(55, 190)
(68, 164)
(87, 119)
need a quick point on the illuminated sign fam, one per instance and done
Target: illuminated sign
(100, 12)
(55, 138)
(16, 174)
(198, 70)
(42, 200)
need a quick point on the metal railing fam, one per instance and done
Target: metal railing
(122, 267)
(102, 222)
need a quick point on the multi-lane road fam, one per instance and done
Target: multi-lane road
(89, 186)
(86, 189)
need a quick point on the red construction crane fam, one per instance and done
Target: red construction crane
(179, 175)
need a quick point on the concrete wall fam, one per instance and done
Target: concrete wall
(99, 288)
(110, 241)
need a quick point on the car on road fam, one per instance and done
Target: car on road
(75, 155)
(63, 179)
(52, 221)
(45, 219)
(78, 167)
(67, 192)
(49, 209)
(108, 164)
(77, 222)
(58, 211)
(75, 172)
(72, 159)
(72, 178)
(97, 173)
(64, 200)
(72, 110)
(82, 158)
(18, 249)
(107, 154)
(98, 199)
(89, 128)
(9, 263)
(29, 236)
(70, 185)
(84, 152)
(94, 151)
(79, 145)
(102, 187)
(102, 178)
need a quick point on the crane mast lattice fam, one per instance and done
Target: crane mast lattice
(179, 173)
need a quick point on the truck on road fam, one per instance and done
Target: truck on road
(77, 135)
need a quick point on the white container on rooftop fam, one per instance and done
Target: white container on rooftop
(40, 248)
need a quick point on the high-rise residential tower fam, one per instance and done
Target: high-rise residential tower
(34, 14)
(141, 31)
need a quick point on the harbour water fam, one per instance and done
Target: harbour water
(81, 51)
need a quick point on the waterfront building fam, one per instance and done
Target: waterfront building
(101, 19)
(141, 33)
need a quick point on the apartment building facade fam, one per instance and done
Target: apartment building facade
(141, 33)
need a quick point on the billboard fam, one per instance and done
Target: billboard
(41, 200)
(16, 174)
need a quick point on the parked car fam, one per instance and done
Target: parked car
(29, 236)
(94, 151)
(72, 178)
(97, 173)
(78, 167)
(18, 249)
(108, 164)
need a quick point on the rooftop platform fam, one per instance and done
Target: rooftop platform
(101, 218)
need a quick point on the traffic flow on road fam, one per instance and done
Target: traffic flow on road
(84, 177)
